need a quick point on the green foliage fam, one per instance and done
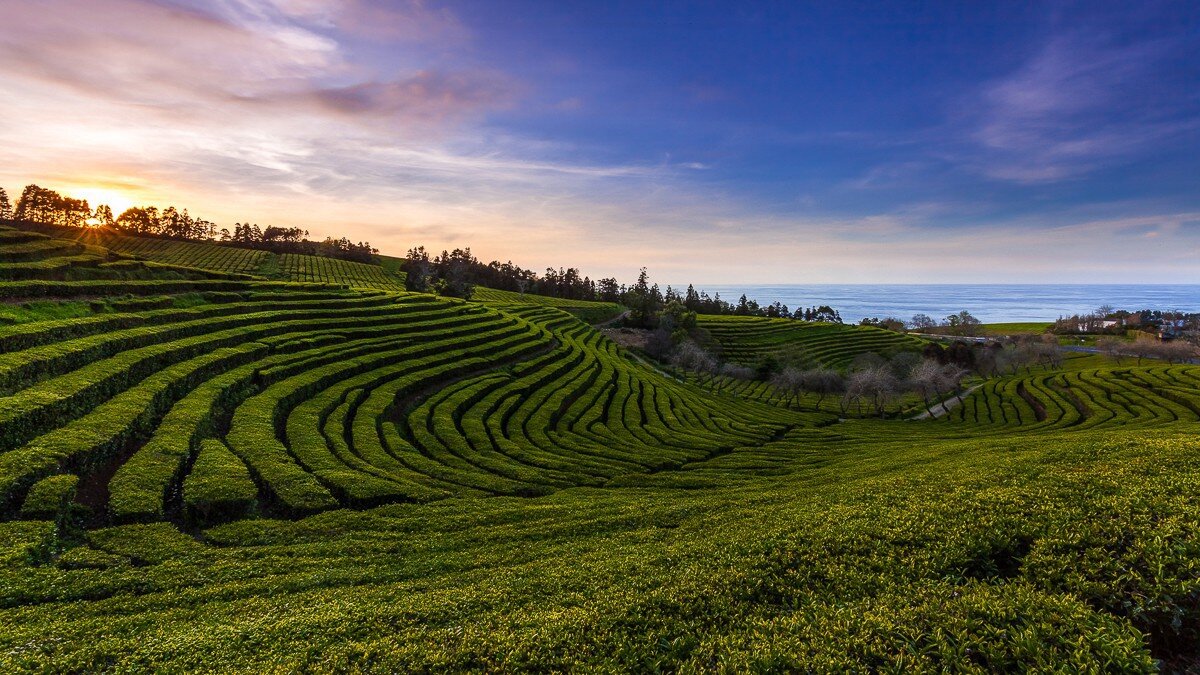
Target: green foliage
(586, 310)
(302, 477)
(749, 340)
(43, 310)
(219, 486)
(49, 496)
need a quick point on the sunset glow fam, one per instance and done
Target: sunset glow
(784, 143)
(115, 199)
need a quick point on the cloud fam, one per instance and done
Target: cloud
(425, 95)
(1081, 102)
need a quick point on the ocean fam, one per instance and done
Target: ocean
(990, 303)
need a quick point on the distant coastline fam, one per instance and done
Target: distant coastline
(991, 303)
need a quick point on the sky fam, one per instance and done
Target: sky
(711, 142)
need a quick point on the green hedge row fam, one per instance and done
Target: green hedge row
(49, 496)
(253, 430)
(219, 486)
(109, 426)
(50, 402)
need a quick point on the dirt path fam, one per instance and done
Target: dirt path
(949, 404)
(611, 322)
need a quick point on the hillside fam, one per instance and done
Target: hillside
(591, 312)
(241, 474)
(749, 339)
(63, 253)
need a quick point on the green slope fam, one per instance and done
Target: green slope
(246, 475)
(748, 339)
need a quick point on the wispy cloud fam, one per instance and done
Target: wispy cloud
(384, 121)
(1080, 102)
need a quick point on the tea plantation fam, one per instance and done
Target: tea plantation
(747, 339)
(201, 471)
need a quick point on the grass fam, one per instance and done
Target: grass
(587, 310)
(749, 339)
(248, 475)
(1015, 328)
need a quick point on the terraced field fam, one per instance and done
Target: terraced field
(334, 271)
(334, 398)
(591, 312)
(1085, 396)
(235, 260)
(748, 339)
(190, 254)
(31, 255)
(246, 475)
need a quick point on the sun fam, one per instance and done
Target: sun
(117, 200)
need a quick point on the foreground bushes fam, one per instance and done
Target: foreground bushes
(1072, 556)
(219, 486)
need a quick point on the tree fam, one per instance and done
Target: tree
(922, 322)
(691, 356)
(930, 378)
(962, 324)
(6, 212)
(609, 290)
(925, 379)
(137, 220)
(36, 204)
(103, 216)
(819, 381)
(875, 385)
(419, 269)
(826, 314)
(641, 302)
(454, 273)
(1113, 348)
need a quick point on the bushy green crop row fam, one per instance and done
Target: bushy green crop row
(189, 253)
(749, 339)
(256, 476)
(1085, 398)
(332, 270)
(943, 556)
(588, 311)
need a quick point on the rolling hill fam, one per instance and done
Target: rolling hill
(205, 469)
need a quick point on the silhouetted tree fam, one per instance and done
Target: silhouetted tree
(6, 211)
(137, 220)
(104, 216)
(420, 271)
(922, 322)
(641, 302)
(453, 271)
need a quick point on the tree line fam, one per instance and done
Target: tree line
(42, 205)
(456, 273)
(1106, 320)
(962, 324)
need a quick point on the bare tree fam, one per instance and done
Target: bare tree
(922, 322)
(691, 356)
(876, 386)
(822, 382)
(926, 380)
(1112, 347)
(1177, 351)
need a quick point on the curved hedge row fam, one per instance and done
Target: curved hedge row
(749, 339)
(333, 398)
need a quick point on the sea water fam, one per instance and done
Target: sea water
(990, 303)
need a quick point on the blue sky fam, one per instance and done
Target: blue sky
(712, 142)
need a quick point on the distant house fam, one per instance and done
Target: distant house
(1170, 329)
(1090, 325)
